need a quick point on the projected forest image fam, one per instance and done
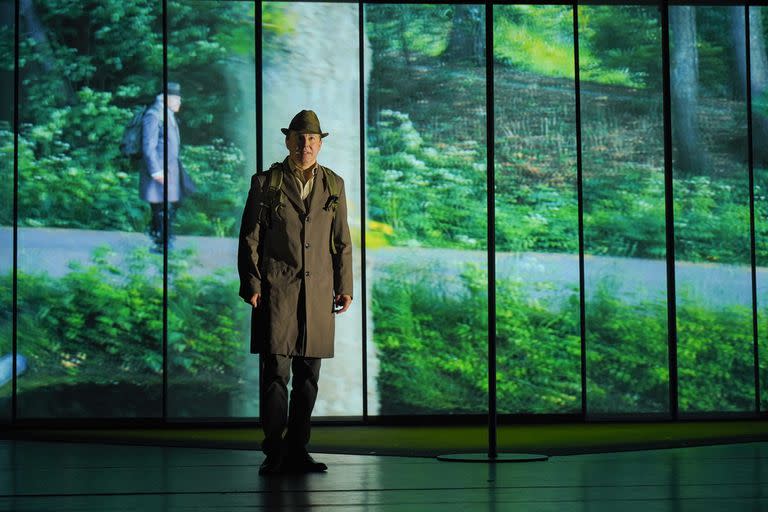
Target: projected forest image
(90, 291)
(427, 193)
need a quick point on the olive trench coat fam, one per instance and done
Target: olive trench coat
(289, 261)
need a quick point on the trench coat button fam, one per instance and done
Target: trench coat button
(306, 219)
(306, 273)
(306, 245)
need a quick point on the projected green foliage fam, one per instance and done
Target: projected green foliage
(623, 209)
(108, 320)
(429, 365)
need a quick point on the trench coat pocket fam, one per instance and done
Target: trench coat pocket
(276, 270)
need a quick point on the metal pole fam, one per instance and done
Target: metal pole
(491, 198)
(165, 210)
(363, 218)
(669, 199)
(580, 200)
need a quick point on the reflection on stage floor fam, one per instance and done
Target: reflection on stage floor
(36, 476)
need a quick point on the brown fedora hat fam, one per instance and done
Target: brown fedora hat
(305, 121)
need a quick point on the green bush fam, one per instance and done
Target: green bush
(429, 195)
(537, 218)
(71, 173)
(431, 337)
(432, 346)
(103, 324)
(712, 219)
(429, 364)
(715, 354)
(627, 365)
(434, 195)
(216, 207)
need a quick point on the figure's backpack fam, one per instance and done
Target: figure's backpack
(130, 145)
(273, 196)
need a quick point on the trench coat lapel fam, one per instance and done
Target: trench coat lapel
(318, 195)
(291, 188)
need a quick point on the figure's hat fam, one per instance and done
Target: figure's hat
(173, 89)
(305, 121)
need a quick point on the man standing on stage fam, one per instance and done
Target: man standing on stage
(295, 266)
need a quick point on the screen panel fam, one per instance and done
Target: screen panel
(7, 54)
(537, 245)
(712, 244)
(624, 216)
(316, 67)
(90, 293)
(426, 229)
(211, 55)
(759, 83)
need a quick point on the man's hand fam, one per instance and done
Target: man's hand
(256, 300)
(342, 302)
(159, 178)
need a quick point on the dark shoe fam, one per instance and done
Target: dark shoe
(272, 465)
(303, 463)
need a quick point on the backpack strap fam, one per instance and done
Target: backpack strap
(272, 197)
(333, 200)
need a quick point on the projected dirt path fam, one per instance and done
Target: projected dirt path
(51, 250)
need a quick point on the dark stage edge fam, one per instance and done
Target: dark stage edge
(423, 441)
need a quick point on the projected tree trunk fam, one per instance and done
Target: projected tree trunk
(758, 69)
(37, 32)
(690, 157)
(467, 40)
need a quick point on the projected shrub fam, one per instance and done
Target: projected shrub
(425, 183)
(99, 339)
(428, 365)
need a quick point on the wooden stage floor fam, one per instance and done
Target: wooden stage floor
(50, 476)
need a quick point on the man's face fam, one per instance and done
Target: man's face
(303, 147)
(174, 102)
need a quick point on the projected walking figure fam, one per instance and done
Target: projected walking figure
(153, 179)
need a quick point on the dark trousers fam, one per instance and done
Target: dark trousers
(276, 413)
(157, 222)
